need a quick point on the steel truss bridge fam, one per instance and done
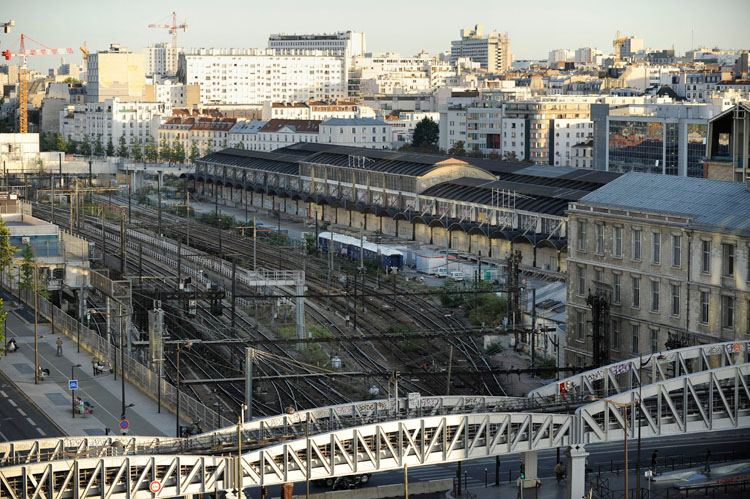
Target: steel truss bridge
(690, 390)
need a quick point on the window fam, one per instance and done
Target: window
(675, 299)
(727, 312)
(705, 300)
(634, 333)
(727, 252)
(617, 241)
(616, 287)
(706, 262)
(636, 292)
(654, 296)
(676, 251)
(636, 244)
(580, 325)
(581, 280)
(600, 239)
(615, 334)
(581, 235)
(654, 340)
(655, 248)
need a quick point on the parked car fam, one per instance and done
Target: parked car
(343, 482)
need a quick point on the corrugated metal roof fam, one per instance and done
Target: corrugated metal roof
(255, 160)
(710, 204)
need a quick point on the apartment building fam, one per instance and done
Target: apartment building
(672, 257)
(113, 119)
(361, 132)
(171, 92)
(281, 133)
(160, 60)
(568, 135)
(491, 51)
(312, 110)
(244, 135)
(255, 76)
(346, 43)
(115, 73)
(391, 73)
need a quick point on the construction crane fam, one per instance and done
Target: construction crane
(85, 51)
(173, 31)
(6, 26)
(616, 44)
(23, 125)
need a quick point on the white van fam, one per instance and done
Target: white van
(441, 272)
(457, 275)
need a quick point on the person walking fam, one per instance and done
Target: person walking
(707, 468)
(654, 458)
(559, 471)
(59, 346)
(93, 365)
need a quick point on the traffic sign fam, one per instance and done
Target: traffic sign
(73, 384)
(124, 424)
(154, 486)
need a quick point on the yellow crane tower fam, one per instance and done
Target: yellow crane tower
(616, 44)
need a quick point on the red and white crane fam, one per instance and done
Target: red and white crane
(23, 125)
(173, 31)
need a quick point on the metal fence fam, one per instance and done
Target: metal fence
(137, 373)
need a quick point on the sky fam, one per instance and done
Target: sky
(535, 27)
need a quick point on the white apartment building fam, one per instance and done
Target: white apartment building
(282, 133)
(255, 76)
(170, 91)
(514, 138)
(390, 73)
(360, 132)
(492, 51)
(113, 118)
(347, 43)
(115, 73)
(631, 46)
(244, 135)
(312, 110)
(159, 60)
(452, 126)
(403, 125)
(569, 133)
(560, 55)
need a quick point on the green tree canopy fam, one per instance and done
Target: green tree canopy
(122, 150)
(426, 134)
(72, 146)
(27, 268)
(178, 153)
(457, 149)
(135, 150)
(194, 154)
(110, 147)
(85, 147)
(151, 152)
(98, 147)
(6, 254)
(165, 152)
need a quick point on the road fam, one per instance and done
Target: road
(19, 418)
(604, 457)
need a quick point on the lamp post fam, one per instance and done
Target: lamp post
(241, 423)
(624, 406)
(641, 365)
(180, 346)
(73, 392)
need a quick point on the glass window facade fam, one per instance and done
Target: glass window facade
(637, 146)
(696, 148)
(671, 149)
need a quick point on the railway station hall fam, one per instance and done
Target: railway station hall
(477, 207)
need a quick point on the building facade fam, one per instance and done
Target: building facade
(672, 256)
(346, 43)
(255, 76)
(115, 73)
(160, 60)
(362, 132)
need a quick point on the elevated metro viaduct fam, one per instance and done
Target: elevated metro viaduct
(686, 391)
(470, 205)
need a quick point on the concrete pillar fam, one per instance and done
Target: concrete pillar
(287, 490)
(576, 471)
(529, 460)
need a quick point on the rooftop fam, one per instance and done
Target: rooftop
(708, 204)
(297, 126)
(353, 122)
(258, 160)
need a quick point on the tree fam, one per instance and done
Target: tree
(165, 153)
(178, 153)
(208, 151)
(135, 150)
(72, 146)
(426, 134)
(511, 156)
(110, 147)
(122, 151)
(151, 152)
(85, 147)
(194, 154)
(60, 144)
(98, 147)
(240, 145)
(70, 79)
(6, 254)
(27, 268)
(457, 149)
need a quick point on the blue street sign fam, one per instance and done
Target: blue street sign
(73, 384)
(124, 424)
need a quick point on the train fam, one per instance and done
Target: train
(388, 257)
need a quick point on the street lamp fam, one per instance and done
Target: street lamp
(73, 392)
(624, 406)
(240, 424)
(180, 346)
(641, 365)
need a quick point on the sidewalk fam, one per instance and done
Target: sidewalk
(52, 396)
